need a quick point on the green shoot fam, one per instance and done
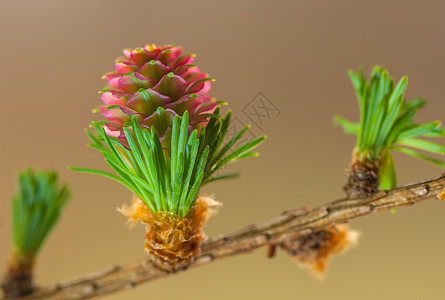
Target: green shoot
(221, 155)
(36, 209)
(386, 123)
(164, 182)
(167, 173)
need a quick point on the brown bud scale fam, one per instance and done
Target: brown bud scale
(18, 280)
(172, 242)
(363, 178)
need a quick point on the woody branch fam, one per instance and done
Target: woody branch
(290, 225)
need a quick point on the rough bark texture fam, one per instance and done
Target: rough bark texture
(362, 178)
(288, 226)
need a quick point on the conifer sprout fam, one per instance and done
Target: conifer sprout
(35, 211)
(386, 123)
(164, 139)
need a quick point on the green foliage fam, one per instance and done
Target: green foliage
(386, 123)
(387, 172)
(168, 174)
(36, 209)
(220, 155)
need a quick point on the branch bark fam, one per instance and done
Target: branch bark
(290, 225)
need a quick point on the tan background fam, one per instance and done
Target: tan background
(53, 54)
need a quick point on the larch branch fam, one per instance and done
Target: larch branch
(290, 225)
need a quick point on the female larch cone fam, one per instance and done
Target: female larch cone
(172, 242)
(154, 84)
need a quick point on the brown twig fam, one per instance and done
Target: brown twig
(289, 225)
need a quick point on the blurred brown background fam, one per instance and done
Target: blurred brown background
(53, 54)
